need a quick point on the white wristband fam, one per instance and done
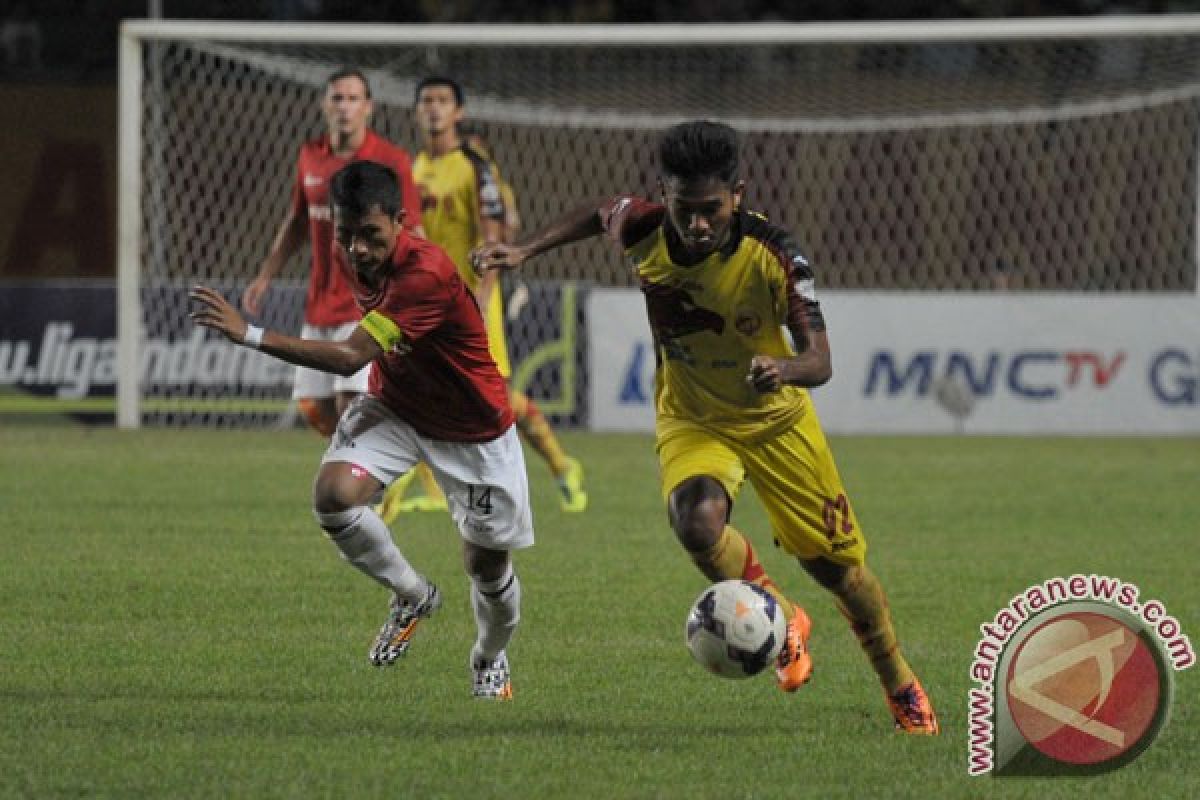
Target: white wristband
(253, 336)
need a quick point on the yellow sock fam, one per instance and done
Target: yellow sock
(533, 426)
(733, 558)
(428, 482)
(862, 602)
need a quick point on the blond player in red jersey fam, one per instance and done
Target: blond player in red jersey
(435, 395)
(731, 399)
(329, 310)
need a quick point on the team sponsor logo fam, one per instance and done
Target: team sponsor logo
(313, 180)
(73, 366)
(1175, 377)
(1172, 374)
(1029, 374)
(638, 375)
(1075, 677)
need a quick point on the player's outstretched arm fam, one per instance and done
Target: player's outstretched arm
(582, 223)
(342, 358)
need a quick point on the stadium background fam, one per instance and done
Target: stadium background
(883, 158)
(55, 163)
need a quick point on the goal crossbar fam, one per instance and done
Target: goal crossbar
(709, 34)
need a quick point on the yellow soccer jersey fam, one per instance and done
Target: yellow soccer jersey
(458, 191)
(710, 319)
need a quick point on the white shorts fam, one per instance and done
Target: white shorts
(313, 382)
(485, 483)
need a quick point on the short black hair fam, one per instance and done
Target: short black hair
(361, 185)
(349, 72)
(440, 80)
(700, 149)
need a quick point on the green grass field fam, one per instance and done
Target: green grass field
(173, 624)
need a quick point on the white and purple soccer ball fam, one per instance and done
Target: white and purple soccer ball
(735, 629)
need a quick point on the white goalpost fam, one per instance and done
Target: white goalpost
(1025, 155)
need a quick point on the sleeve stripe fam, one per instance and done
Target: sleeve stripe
(803, 313)
(487, 188)
(382, 330)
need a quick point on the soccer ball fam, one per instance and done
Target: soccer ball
(735, 629)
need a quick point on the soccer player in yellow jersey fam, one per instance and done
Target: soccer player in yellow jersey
(731, 397)
(462, 206)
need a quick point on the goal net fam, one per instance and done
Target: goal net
(1054, 155)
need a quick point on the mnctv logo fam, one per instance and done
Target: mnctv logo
(1072, 686)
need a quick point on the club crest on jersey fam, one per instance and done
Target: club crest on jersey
(747, 321)
(806, 288)
(313, 180)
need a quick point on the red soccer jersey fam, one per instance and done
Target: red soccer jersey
(330, 301)
(436, 372)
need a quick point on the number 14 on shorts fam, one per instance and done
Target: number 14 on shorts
(479, 499)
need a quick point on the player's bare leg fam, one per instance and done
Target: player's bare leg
(340, 496)
(699, 512)
(496, 602)
(537, 431)
(860, 597)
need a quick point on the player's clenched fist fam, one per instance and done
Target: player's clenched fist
(765, 374)
(497, 256)
(216, 312)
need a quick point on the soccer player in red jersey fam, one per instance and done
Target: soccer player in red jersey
(731, 395)
(463, 204)
(329, 310)
(435, 395)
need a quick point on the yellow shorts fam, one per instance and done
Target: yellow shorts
(793, 474)
(497, 343)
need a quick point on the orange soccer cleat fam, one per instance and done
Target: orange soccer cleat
(793, 667)
(912, 710)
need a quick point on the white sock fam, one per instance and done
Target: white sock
(365, 541)
(497, 607)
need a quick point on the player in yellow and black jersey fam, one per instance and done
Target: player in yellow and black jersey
(463, 206)
(731, 393)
